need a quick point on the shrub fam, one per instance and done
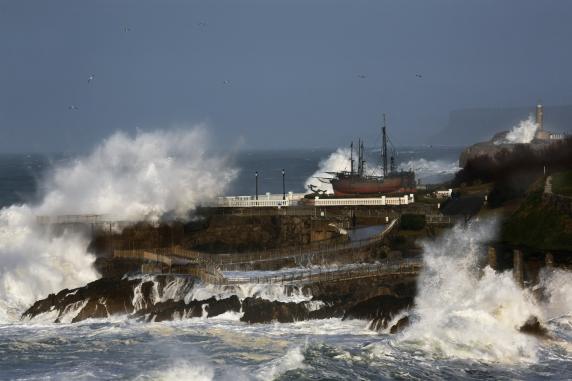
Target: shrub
(412, 221)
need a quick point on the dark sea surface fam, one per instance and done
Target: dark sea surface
(465, 322)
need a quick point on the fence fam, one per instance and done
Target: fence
(210, 266)
(401, 267)
(383, 200)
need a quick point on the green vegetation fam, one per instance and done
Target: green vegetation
(562, 183)
(412, 221)
(537, 225)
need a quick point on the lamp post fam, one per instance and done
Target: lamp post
(283, 186)
(256, 176)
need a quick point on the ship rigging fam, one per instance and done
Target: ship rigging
(358, 183)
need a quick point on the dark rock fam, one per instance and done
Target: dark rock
(400, 325)
(105, 296)
(93, 309)
(170, 309)
(383, 306)
(218, 307)
(533, 327)
(258, 310)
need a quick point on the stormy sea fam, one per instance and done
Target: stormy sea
(464, 323)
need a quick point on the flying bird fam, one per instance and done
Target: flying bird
(201, 24)
(226, 82)
(126, 29)
(418, 75)
(73, 107)
(91, 78)
(361, 76)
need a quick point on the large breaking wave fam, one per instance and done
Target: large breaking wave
(133, 177)
(463, 312)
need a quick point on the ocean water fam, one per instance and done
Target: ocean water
(464, 324)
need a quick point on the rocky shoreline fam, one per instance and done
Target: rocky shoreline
(169, 297)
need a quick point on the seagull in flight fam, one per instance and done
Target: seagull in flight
(73, 107)
(91, 78)
(361, 76)
(201, 24)
(418, 75)
(226, 82)
(126, 29)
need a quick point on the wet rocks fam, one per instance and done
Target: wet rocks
(171, 309)
(533, 327)
(257, 310)
(400, 325)
(380, 310)
(101, 298)
(161, 298)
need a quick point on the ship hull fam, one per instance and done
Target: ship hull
(358, 186)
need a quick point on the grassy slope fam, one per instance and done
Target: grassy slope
(562, 183)
(537, 225)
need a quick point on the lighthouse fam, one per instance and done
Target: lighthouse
(540, 133)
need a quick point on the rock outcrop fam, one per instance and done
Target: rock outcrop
(163, 298)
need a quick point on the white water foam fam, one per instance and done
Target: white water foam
(427, 168)
(336, 162)
(182, 370)
(522, 133)
(293, 359)
(460, 313)
(271, 292)
(557, 286)
(136, 177)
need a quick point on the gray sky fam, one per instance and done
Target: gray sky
(273, 74)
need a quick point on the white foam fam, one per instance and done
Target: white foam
(182, 370)
(271, 292)
(293, 359)
(336, 162)
(137, 177)
(557, 286)
(523, 132)
(426, 168)
(459, 313)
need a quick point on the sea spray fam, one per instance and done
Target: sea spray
(135, 177)
(340, 161)
(337, 161)
(522, 133)
(424, 168)
(36, 262)
(556, 285)
(293, 359)
(463, 313)
(139, 177)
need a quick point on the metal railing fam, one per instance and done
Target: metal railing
(299, 254)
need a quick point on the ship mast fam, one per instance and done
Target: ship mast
(352, 158)
(362, 159)
(384, 147)
(359, 157)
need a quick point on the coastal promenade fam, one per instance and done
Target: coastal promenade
(211, 267)
(401, 267)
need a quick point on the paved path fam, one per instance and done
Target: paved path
(548, 185)
(230, 261)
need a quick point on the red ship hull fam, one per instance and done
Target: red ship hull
(358, 186)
